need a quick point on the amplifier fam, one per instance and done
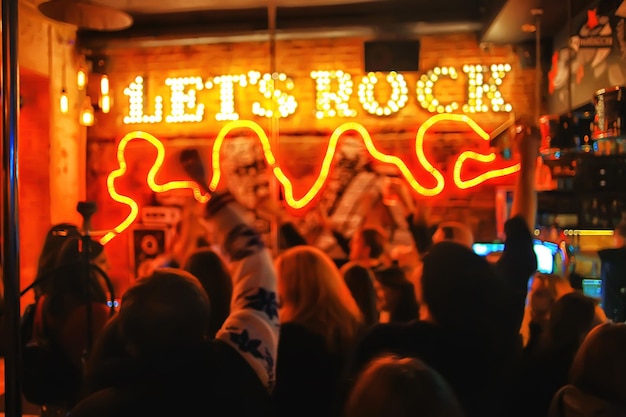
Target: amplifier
(161, 215)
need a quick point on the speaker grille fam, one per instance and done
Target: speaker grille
(386, 56)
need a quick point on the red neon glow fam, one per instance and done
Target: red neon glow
(324, 169)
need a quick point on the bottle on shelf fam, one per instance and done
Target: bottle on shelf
(615, 213)
(595, 213)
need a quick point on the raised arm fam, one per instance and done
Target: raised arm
(252, 328)
(524, 204)
(518, 261)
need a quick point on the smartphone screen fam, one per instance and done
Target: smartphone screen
(593, 288)
(484, 249)
(545, 252)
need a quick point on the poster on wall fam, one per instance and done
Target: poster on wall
(596, 54)
(248, 178)
(356, 194)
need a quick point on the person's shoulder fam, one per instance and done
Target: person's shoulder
(398, 333)
(412, 338)
(118, 401)
(613, 254)
(352, 266)
(299, 334)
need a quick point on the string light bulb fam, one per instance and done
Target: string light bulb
(104, 103)
(87, 116)
(104, 85)
(81, 78)
(64, 101)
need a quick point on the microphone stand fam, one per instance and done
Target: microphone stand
(87, 210)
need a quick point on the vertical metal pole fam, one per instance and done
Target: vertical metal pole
(10, 223)
(538, 71)
(274, 192)
(569, 57)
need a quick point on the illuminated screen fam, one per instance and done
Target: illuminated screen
(484, 249)
(545, 252)
(593, 288)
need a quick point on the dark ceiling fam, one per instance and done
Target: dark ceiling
(495, 21)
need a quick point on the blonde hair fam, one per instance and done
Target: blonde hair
(393, 386)
(312, 293)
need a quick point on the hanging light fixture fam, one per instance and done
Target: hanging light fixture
(105, 103)
(87, 115)
(86, 15)
(81, 78)
(104, 100)
(104, 85)
(64, 101)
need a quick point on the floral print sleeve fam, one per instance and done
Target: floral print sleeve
(252, 328)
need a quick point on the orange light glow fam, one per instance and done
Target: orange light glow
(291, 200)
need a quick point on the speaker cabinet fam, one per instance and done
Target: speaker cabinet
(386, 56)
(148, 244)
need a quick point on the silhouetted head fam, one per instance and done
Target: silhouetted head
(68, 282)
(599, 367)
(454, 232)
(395, 294)
(164, 313)
(360, 281)
(392, 386)
(57, 235)
(457, 286)
(572, 317)
(206, 265)
(367, 243)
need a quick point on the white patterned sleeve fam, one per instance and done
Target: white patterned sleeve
(252, 327)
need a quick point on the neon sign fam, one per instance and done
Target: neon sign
(333, 90)
(318, 184)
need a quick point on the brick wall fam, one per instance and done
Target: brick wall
(296, 58)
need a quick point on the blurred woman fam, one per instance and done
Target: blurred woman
(320, 325)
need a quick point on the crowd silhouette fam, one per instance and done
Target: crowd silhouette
(241, 331)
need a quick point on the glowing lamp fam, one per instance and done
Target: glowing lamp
(81, 79)
(104, 85)
(64, 102)
(105, 103)
(87, 116)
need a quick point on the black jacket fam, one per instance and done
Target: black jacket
(478, 362)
